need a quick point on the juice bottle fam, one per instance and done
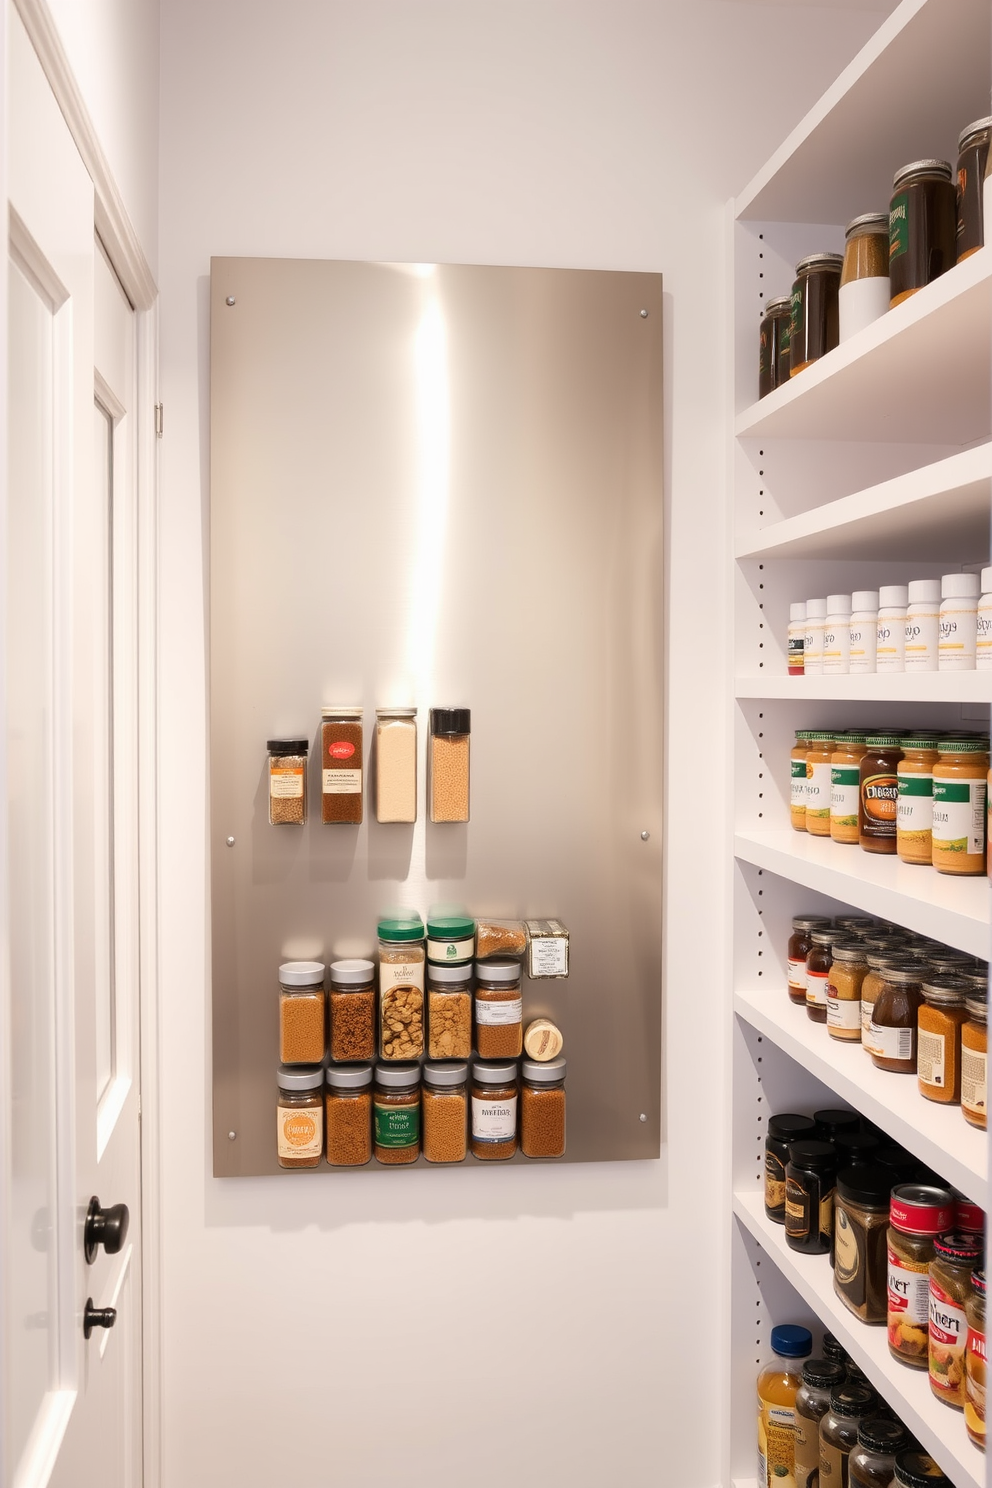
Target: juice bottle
(777, 1385)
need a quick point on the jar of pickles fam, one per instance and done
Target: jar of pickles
(798, 949)
(815, 326)
(974, 1062)
(918, 1213)
(922, 227)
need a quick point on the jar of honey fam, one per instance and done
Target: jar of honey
(819, 755)
(974, 1054)
(845, 781)
(879, 793)
(922, 226)
(959, 802)
(914, 805)
(815, 327)
(938, 1051)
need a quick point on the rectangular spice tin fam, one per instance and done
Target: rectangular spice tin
(547, 950)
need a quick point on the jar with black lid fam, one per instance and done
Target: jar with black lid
(917, 1469)
(820, 1376)
(893, 1020)
(922, 226)
(782, 1130)
(809, 1197)
(849, 1404)
(973, 155)
(872, 1464)
(815, 324)
(855, 1148)
(773, 344)
(831, 1122)
(798, 949)
(861, 1222)
(818, 964)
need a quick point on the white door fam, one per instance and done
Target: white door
(70, 848)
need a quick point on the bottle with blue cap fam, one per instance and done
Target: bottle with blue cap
(778, 1382)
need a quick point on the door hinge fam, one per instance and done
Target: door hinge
(159, 419)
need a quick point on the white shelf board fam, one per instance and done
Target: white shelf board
(938, 1135)
(873, 687)
(941, 512)
(952, 910)
(941, 1430)
(908, 93)
(896, 380)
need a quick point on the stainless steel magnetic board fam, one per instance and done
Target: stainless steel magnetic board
(441, 485)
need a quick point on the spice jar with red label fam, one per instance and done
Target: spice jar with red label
(879, 794)
(956, 1255)
(918, 1213)
(341, 765)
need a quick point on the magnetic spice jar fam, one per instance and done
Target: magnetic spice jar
(798, 949)
(773, 344)
(922, 227)
(893, 1021)
(396, 764)
(301, 1012)
(341, 737)
(956, 1255)
(959, 798)
(444, 1102)
(448, 764)
(449, 1011)
(914, 805)
(864, 279)
(974, 1064)
(542, 1108)
(845, 781)
(938, 1050)
(872, 1463)
(820, 1376)
(918, 1213)
(809, 1197)
(975, 1361)
(781, 1132)
(450, 940)
(498, 1010)
(814, 328)
(396, 1113)
(401, 987)
(797, 789)
(818, 963)
(352, 1007)
(499, 938)
(973, 156)
(818, 770)
(299, 1116)
(288, 781)
(494, 1111)
(348, 1115)
(848, 969)
(861, 1222)
(879, 793)
(849, 1404)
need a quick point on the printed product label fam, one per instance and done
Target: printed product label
(796, 648)
(891, 648)
(864, 640)
(807, 1443)
(548, 957)
(959, 815)
(396, 1126)
(779, 1443)
(300, 1132)
(827, 1215)
(784, 335)
(449, 952)
(975, 1371)
(284, 784)
(836, 647)
(494, 1120)
(816, 988)
(930, 1058)
(898, 225)
(796, 1210)
(797, 794)
(496, 1014)
(973, 1078)
(797, 974)
(762, 1469)
(948, 1337)
(908, 1290)
(764, 346)
(342, 782)
(818, 791)
(774, 1181)
(983, 644)
(833, 1466)
(956, 644)
(879, 800)
(843, 1012)
(400, 974)
(813, 648)
(867, 1008)
(849, 1267)
(844, 785)
(921, 641)
(891, 1043)
(914, 808)
(796, 319)
(341, 749)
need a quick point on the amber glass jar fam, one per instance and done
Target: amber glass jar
(956, 1255)
(938, 1051)
(810, 1177)
(974, 1361)
(815, 324)
(914, 808)
(773, 344)
(799, 948)
(818, 964)
(973, 155)
(974, 1059)
(845, 782)
(820, 748)
(848, 970)
(922, 226)
(959, 800)
(893, 1021)
(797, 793)
(918, 1213)
(879, 793)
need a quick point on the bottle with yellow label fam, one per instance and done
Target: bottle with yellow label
(778, 1382)
(818, 771)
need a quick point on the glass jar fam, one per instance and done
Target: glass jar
(288, 781)
(301, 1012)
(798, 949)
(872, 985)
(820, 748)
(856, 926)
(918, 1213)
(945, 962)
(809, 1197)
(938, 1050)
(914, 806)
(494, 1111)
(864, 279)
(814, 328)
(499, 1030)
(922, 226)
(819, 1377)
(449, 1011)
(974, 1058)
(542, 1108)
(396, 1113)
(818, 963)
(781, 1132)
(856, 1148)
(797, 791)
(348, 1114)
(450, 940)
(973, 156)
(893, 1020)
(879, 793)
(956, 1255)
(959, 798)
(834, 1122)
(445, 1112)
(341, 765)
(974, 1361)
(849, 1404)
(872, 1463)
(848, 969)
(401, 987)
(916, 1469)
(773, 344)
(396, 764)
(448, 765)
(861, 1221)
(352, 1002)
(299, 1116)
(833, 1351)
(845, 781)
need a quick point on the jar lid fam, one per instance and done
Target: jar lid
(921, 1208)
(912, 742)
(812, 1154)
(397, 1076)
(405, 929)
(881, 1434)
(960, 586)
(450, 927)
(833, 1350)
(348, 1076)
(867, 1184)
(959, 1245)
(962, 746)
(344, 712)
(816, 609)
(790, 1341)
(444, 972)
(972, 132)
(797, 611)
(977, 1008)
(851, 738)
(810, 922)
(302, 974)
(884, 741)
(868, 222)
(896, 956)
(824, 262)
(494, 1074)
(903, 976)
(893, 596)
(851, 1147)
(819, 736)
(300, 1076)
(855, 922)
(916, 1469)
(838, 604)
(447, 1072)
(978, 1280)
(395, 712)
(836, 1119)
(498, 971)
(923, 591)
(938, 170)
(825, 937)
(851, 1400)
(287, 746)
(542, 1040)
(352, 973)
(987, 580)
(824, 1374)
(848, 950)
(956, 962)
(865, 599)
(945, 991)
(777, 305)
(544, 1073)
(789, 1128)
(451, 720)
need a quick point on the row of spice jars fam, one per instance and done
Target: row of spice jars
(395, 761)
(927, 625)
(396, 1111)
(935, 220)
(921, 796)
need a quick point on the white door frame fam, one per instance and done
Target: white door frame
(131, 265)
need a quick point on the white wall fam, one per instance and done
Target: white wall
(530, 1326)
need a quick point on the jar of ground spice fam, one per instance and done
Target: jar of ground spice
(960, 789)
(974, 1064)
(815, 327)
(299, 1116)
(918, 1213)
(444, 1103)
(448, 764)
(861, 1222)
(864, 279)
(401, 987)
(494, 1111)
(848, 969)
(396, 764)
(498, 1010)
(782, 1131)
(449, 1011)
(348, 1115)
(973, 155)
(938, 1045)
(288, 781)
(797, 951)
(301, 1012)
(352, 1010)
(818, 964)
(922, 227)
(893, 1021)
(879, 793)
(341, 765)
(542, 1108)
(956, 1255)
(773, 344)
(396, 1113)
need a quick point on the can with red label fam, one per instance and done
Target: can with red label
(955, 1257)
(917, 1214)
(974, 1361)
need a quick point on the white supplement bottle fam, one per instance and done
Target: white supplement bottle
(797, 638)
(983, 639)
(958, 622)
(890, 652)
(816, 614)
(837, 635)
(922, 625)
(864, 630)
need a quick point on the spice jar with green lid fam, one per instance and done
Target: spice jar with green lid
(450, 940)
(773, 344)
(299, 1116)
(494, 1111)
(973, 156)
(820, 748)
(542, 1108)
(815, 325)
(879, 793)
(396, 1113)
(401, 987)
(922, 227)
(288, 781)
(864, 280)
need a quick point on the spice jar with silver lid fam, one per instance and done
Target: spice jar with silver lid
(542, 1108)
(973, 156)
(494, 1111)
(864, 280)
(449, 1011)
(300, 1116)
(815, 324)
(348, 1114)
(288, 781)
(498, 1010)
(396, 1113)
(773, 344)
(444, 1100)
(302, 1006)
(922, 227)
(352, 1008)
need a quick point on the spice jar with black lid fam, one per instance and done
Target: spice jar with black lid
(818, 964)
(973, 156)
(815, 325)
(799, 948)
(820, 1376)
(834, 1351)
(782, 1131)
(448, 764)
(499, 1029)
(872, 1463)
(917, 1469)
(494, 1111)
(861, 1222)
(922, 226)
(849, 1405)
(918, 1213)
(810, 1176)
(542, 1108)
(832, 1121)
(864, 280)
(396, 1113)
(300, 1116)
(288, 781)
(894, 1019)
(773, 344)
(956, 1256)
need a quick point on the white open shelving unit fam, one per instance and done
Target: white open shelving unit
(873, 467)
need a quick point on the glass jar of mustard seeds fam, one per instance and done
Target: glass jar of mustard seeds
(341, 735)
(938, 1052)
(444, 1102)
(845, 780)
(773, 344)
(542, 1108)
(299, 1116)
(973, 155)
(797, 951)
(974, 1062)
(918, 1213)
(848, 970)
(301, 1012)
(288, 781)
(922, 226)
(914, 805)
(494, 1111)
(819, 755)
(348, 1115)
(396, 1113)
(959, 802)
(448, 764)
(864, 280)
(815, 327)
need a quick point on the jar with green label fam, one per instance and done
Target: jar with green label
(450, 940)
(818, 770)
(922, 226)
(773, 344)
(845, 780)
(959, 793)
(815, 324)
(396, 1113)
(914, 805)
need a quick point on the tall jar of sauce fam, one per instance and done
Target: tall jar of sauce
(959, 803)
(914, 806)
(973, 155)
(845, 784)
(974, 1063)
(799, 948)
(879, 793)
(815, 327)
(922, 226)
(819, 753)
(893, 1021)
(956, 1255)
(974, 1361)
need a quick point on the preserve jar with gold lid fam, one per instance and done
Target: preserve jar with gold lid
(864, 279)
(815, 327)
(922, 227)
(973, 156)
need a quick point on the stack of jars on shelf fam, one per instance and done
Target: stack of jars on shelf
(398, 1081)
(906, 1250)
(920, 794)
(934, 221)
(914, 1006)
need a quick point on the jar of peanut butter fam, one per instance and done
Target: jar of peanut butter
(845, 782)
(818, 770)
(959, 791)
(914, 806)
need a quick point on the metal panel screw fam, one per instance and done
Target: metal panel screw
(645, 835)
(230, 841)
(642, 1117)
(229, 300)
(231, 1136)
(644, 313)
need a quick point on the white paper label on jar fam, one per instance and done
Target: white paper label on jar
(860, 302)
(843, 1012)
(914, 809)
(959, 821)
(890, 653)
(818, 790)
(973, 1081)
(843, 798)
(864, 643)
(867, 1008)
(908, 1293)
(816, 988)
(285, 784)
(930, 1058)
(401, 974)
(958, 636)
(494, 1120)
(300, 1131)
(813, 648)
(797, 973)
(342, 782)
(548, 957)
(497, 1014)
(922, 632)
(836, 648)
(891, 1043)
(983, 639)
(450, 952)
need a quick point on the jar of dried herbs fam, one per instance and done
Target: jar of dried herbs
(341, 738)
(301, 1012)
(401, 987)
(299, 1116)
(352, 1010)
(288, 781)
(449, 1011)
(396, 1113)
(445, 1112)
(348, 1112)
(494, 1111)
(448, 764)
(499, 1030)
(542, 1108)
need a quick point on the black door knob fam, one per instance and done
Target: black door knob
(97, 1317)
(106, 1227)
